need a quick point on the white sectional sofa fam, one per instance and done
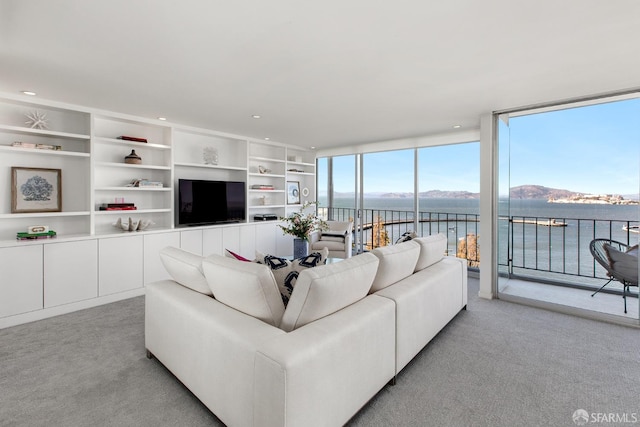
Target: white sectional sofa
(346, 332)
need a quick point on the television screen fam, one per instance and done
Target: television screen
(203, 202)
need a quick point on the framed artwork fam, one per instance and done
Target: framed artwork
(36, 190)
(293, 193)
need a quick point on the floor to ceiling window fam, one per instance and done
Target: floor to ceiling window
(449, 196)
(427, 190)
(388, 196)
(567, 175)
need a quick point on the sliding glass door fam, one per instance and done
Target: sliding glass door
(568, 175)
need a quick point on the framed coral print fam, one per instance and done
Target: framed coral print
(293, 193)
(36, 190)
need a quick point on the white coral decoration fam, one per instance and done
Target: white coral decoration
(37, 120)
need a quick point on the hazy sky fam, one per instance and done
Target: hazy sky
(593, 149)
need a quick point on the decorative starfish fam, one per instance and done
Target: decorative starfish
(37, 120)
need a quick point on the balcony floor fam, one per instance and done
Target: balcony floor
(602, 306)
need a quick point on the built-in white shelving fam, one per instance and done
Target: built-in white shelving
(90, 154)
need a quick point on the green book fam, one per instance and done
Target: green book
(24, 234)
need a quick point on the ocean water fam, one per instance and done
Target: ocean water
(554, 252)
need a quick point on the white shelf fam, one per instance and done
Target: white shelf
(254, 190)
(103, 140)
(267, 175)
(132, 211)
(300, 173)
(133, 189)
(265, 206)
(301, 164)
(201, 165)
(44, 152)
(127, 165)
(266, 159)
(42, 132)
(44, 214)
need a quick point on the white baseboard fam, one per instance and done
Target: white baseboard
(45, 313)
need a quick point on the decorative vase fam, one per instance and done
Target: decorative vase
(133, 158)
(300, 248)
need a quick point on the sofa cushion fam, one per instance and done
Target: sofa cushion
(248, 287)
(286, 271)
(432, 249)
(623, 263)
(324, 290)
(185, 268)
(396, 263)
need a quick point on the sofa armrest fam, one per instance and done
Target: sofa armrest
(207, 345)
(325, 371)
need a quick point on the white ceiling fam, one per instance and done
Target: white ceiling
(322, 73)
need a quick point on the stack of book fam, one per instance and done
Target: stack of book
(35, 236)
(118, 207)
(262, 187)
(21, 144)
(143, 182)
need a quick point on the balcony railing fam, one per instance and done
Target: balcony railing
(553, 250)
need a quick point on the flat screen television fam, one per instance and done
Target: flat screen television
(202, 202)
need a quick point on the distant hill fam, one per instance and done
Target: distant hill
(438, 194)
(539, 192)
(520, 192)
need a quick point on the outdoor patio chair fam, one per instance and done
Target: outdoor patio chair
(619, 260)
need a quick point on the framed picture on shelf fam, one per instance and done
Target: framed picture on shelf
(36, 190)
(293, 192)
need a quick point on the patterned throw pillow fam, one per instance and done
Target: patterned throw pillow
(406, 236)
(286, 271)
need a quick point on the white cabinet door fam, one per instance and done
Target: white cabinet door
(20, 280)
(191, 241)
(266, 236)
(70, 272)
(248, 241)
(120, 267)
(284, 243)
(153, 244)
(231, 238)
(212, 241)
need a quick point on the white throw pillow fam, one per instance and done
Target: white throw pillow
(432, 249)
(248, 287)
(324, 290)
(396, 263)
(185, 268)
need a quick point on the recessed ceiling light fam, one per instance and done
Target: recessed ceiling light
(313, 148)
(162, 118)
(28, 92)
(256, 116)
(267, 139)
(457, 126)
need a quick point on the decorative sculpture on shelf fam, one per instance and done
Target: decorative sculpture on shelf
(133, 225)
(263, 169)
(210, 156)
(37, 120)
